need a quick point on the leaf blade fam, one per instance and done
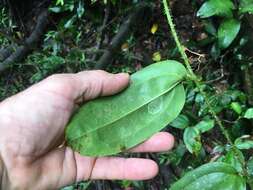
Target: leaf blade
(214, 174)
(205, 125)
(246, 6)
(135, 105)
(192, 139)
(181, 122)
(249, 113)
(137, 95)
(127, 132)
(216, 7)
(227, 32)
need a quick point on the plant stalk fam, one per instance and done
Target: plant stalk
(191, 74)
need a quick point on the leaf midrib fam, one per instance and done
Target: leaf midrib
(139, 128)
(127, 113)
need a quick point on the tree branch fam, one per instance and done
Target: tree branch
(121, 36)
(21, 51)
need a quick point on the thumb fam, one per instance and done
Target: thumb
(93, 84)
(86, 85)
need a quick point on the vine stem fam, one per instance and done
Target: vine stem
(191, 74)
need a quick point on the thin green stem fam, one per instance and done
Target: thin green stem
(175, 36)
(191, 73)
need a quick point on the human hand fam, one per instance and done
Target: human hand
(32, 129)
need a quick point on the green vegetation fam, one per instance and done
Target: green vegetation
(214, 131)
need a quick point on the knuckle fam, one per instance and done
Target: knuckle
(55, 77)
(93, 74)
(99, 73)
(60, 82)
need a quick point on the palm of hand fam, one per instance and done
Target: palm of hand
(32, 128)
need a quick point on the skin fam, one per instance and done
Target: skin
(32, 129)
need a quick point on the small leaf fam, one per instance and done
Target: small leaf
(205, 126)
(70, 22)
(216, 7)
(246, 6)
(211, 176)
(109, 125)
(80, 9)
(210, 28)
(218, 149)
(180, 122)
(243, 143)
(157, 56)
(249, 113)
(154, 28)
(175, 156)
(60, 2)
(125, 47)
(236, 107)
(227, 32)
(55, 9)
(232, 159)
(192, 140)
(250, 166)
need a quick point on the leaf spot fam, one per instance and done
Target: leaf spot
(155, 106)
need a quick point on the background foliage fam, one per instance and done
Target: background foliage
(217, 37)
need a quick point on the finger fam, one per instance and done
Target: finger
(159, 142)
(85, 85)
(115, 168)
(63, 166)
(99, 83)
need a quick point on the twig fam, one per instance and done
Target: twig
(195, 53)
(22, 50)
(121, 36)
(218, 78)
(102, 30)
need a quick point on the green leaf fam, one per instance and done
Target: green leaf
(227, 32)
(205, 126)
(250, 166)
(192, 140)
(110, 125)
(232, 159)
(216, 7)
(212, 176)
(174, 157)
(70, 22)
(243, 143)
(55, 9)
(60, 2)
(236, 107)
(181, 122)
(80, 9)
(209, 27)
(249, 113)
(246, 6)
